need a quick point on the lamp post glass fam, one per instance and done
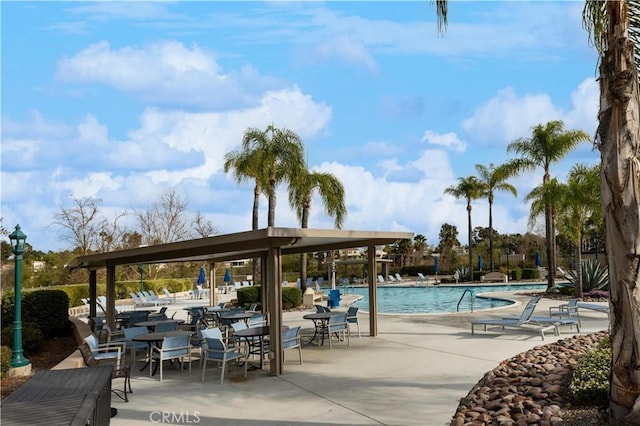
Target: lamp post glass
(18, 239)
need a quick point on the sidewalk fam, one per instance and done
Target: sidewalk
(413, 373)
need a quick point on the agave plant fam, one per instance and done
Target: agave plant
(594, 276)
(463, 273)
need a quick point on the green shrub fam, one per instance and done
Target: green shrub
(530, 273)
(32, 337)
(49, 309)
(515, 274)
(594, 276)
(251, 294)
(5, 359)
(291, 297)
(590, 380)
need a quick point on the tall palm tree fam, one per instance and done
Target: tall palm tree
(469, 188)
(493, 179)
(580, 201)
(548, 144)
(419, 245)
(278, 154)
(331, 193)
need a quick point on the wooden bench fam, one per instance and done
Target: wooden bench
(494, 277)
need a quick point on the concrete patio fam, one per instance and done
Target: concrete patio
(413, 373)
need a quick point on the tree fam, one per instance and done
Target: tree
(580, 201)
(165, 221)
(331, 192)
(202, 227)
(80, 224)
(419, 246)
(469, 188)
(493, 179)
(448, 240)
(615, 29)
(548, 144)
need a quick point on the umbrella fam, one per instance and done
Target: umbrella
(227, 276)
(202, 278)
(435, 265)
(480, 263)
(538, 262)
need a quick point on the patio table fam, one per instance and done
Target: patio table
(151, 338)
(249, 333)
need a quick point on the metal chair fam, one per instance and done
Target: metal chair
(216, 350)
(352, 318)
(173, 347)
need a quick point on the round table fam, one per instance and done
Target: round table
(249, 333)
(238, 316)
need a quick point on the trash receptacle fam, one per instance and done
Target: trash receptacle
(334, 298)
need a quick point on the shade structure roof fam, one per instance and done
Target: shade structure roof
(242, 245)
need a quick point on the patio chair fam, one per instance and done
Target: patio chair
(216, 350)
(258, 320)
(336, 325)
(121, 371)
(166, 326)
(129, 334)
(173, 347)
(398, 277)
(391, 279)
(157, 300)
(381, 280)
(352, 318)
(103, 351)
(291, 340)
(523, 322)
(569, 310)
(594, 307)
(206, 333)
(421, 278)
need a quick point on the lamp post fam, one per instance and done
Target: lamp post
(596, 239)
(507, 251)
(141, 271)
(18, 239)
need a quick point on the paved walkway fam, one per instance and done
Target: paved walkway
(413, 373)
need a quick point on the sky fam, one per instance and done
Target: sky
(123, 101)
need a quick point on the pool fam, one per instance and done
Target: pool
(435, 299)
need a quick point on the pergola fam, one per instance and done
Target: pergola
(268, 244)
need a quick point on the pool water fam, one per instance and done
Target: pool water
(435, 299)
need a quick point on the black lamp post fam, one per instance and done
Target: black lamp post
(18, 239)
(507, 251)
(141, 271)
(596, 239)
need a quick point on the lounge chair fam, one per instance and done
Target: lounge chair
(381, 280)
(398, 277)
(566, 310)
(594, 307)
(170, 297)
(421, 278)
(523, 322)
(558, 320)
(391, 279)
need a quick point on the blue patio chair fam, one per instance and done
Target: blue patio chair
(336, 325)
(291, 340)
(352, 318)
(173, 347)
(166, 326)
(258, 320)
(129, 334)
(216, 350)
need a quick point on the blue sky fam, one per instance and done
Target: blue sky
(121, 101)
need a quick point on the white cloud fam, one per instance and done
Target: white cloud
(347, 49)
(448, 140)
(165, 73)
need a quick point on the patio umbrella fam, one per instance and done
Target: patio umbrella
(202, 278)
(227, 276)
(538, 262)
(480, 262)
(435, 265)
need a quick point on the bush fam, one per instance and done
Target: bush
(49, 309)
(32, 337)
(530, 273)
(590, 380)
(247, 295)
(5, 359)
(515, 274)
(291, 297)
(594, 276)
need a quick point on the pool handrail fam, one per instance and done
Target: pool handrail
(473, 296)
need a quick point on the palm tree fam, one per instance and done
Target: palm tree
(419, 245)
(331, 193)
(580, 201)
(548, 144)
(469, 188)
(493, 179)
(278, 155)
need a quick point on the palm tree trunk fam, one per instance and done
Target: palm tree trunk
(254, 226)
(304, 223)
(551, 246)
(271, 216)
(579, 286)
(470, 243)
(491, 235)
(619, 136)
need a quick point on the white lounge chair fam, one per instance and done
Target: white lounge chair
(523, 322)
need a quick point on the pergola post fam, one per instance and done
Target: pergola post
(111, 297)
(93, 292)
(263, 275)
(213, 288)
(274, 286)
(373, 292)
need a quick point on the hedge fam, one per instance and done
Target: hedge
(291, 296)
(49, 309)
